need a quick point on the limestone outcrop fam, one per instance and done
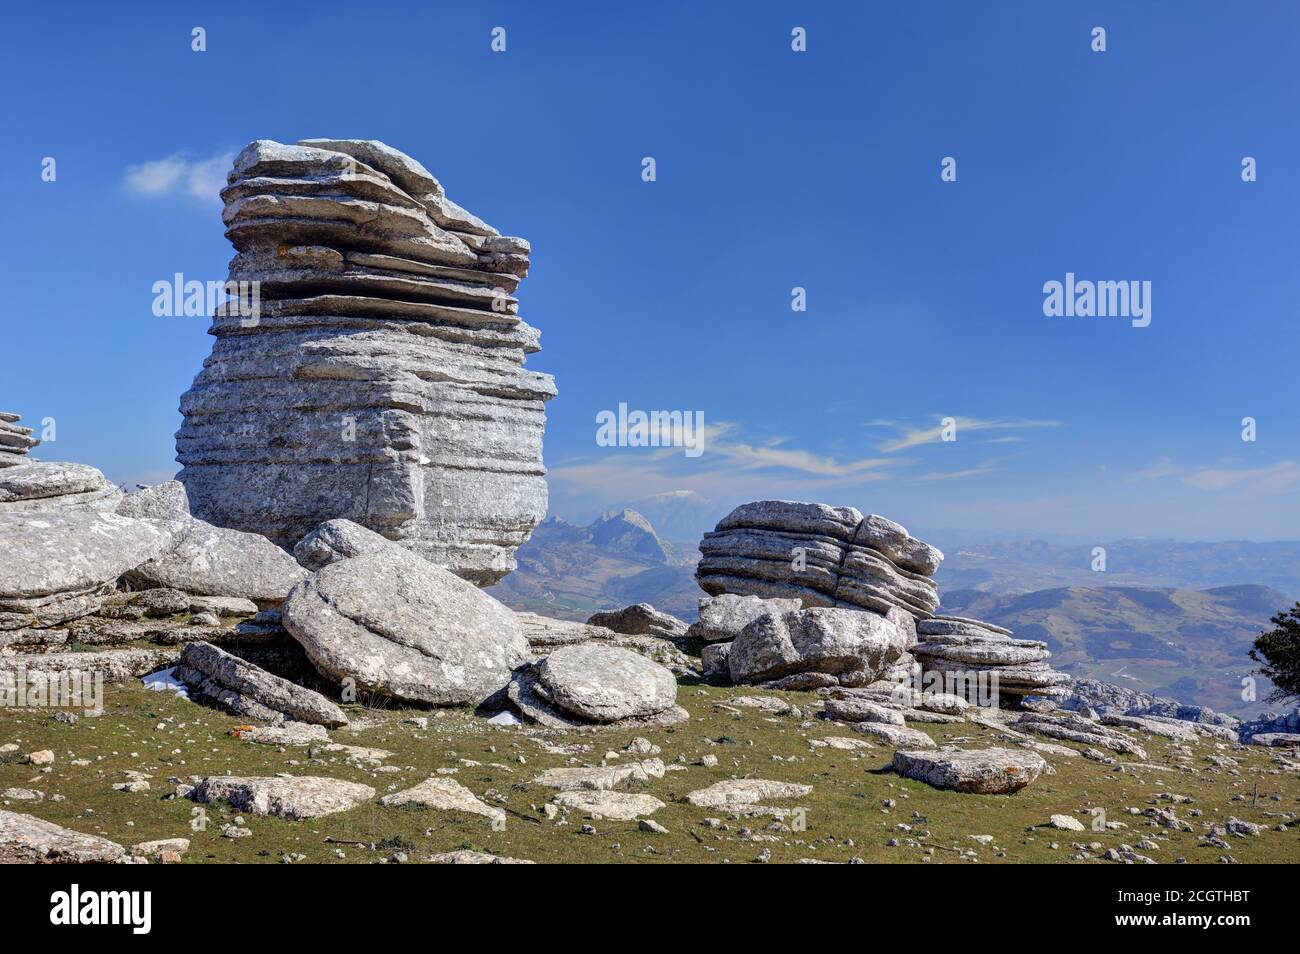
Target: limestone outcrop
(15, 440)
(821, 555)
(378, 373)
(965, 651)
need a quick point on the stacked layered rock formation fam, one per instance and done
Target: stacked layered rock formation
(381, 378)
(960, 648)
(15, 440)
(821, 555)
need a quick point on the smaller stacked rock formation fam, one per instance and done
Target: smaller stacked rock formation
(968, 652)
(820, 555)
(15, 441)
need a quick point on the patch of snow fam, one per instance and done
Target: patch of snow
(165, 679)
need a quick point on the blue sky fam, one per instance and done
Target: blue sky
(775, 169)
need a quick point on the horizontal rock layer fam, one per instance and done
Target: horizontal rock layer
(382, 377)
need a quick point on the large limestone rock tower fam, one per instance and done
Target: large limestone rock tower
(378, 374)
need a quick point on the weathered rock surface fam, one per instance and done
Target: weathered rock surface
(605, 684)
(982, 771)
(443, 794)
(402, 627)
(745, 792)
(543, 632)
(26, 839)
(861, 710)
(336, 540)
(723, 617)
(535, 701)
(286, 797)
(850, 645)
(601, 778)
(116, 665)
(382, 378)
(641, 619)
(616, 806)
(1075, 728)
(821, 555)
(465, 856)
(713, 660)
(248, 690)
(206, 560)
(55, 485)
(54, 565)
(895, 735)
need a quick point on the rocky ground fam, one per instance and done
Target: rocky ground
(117, 776)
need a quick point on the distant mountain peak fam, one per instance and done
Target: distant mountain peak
(627, 533)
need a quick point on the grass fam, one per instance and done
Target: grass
(167, 737)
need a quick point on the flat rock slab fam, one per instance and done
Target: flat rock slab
(63, 553)
(543, 632)
(745, 792)
(117, 665)
(640, 619)
(291, 733)
(616, 806)
(55, 485)
(246, 689)
(204, 560)
(861, 710)
(895, 734)
(605, 683)
(603, 778)
(292, 798)
(467, 857)
(404, 628)
(443, 794)
(1276, 739)
(978, 771)
(1073, 728)
(26, 839)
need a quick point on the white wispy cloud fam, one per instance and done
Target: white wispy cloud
(978, 471)
(1251, 480)
(178, 174)
(1158, 471)
(914, 436)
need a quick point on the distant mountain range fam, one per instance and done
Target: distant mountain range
(1184, 643)
(1028, 565)
(1175, 619)
(570, 571)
